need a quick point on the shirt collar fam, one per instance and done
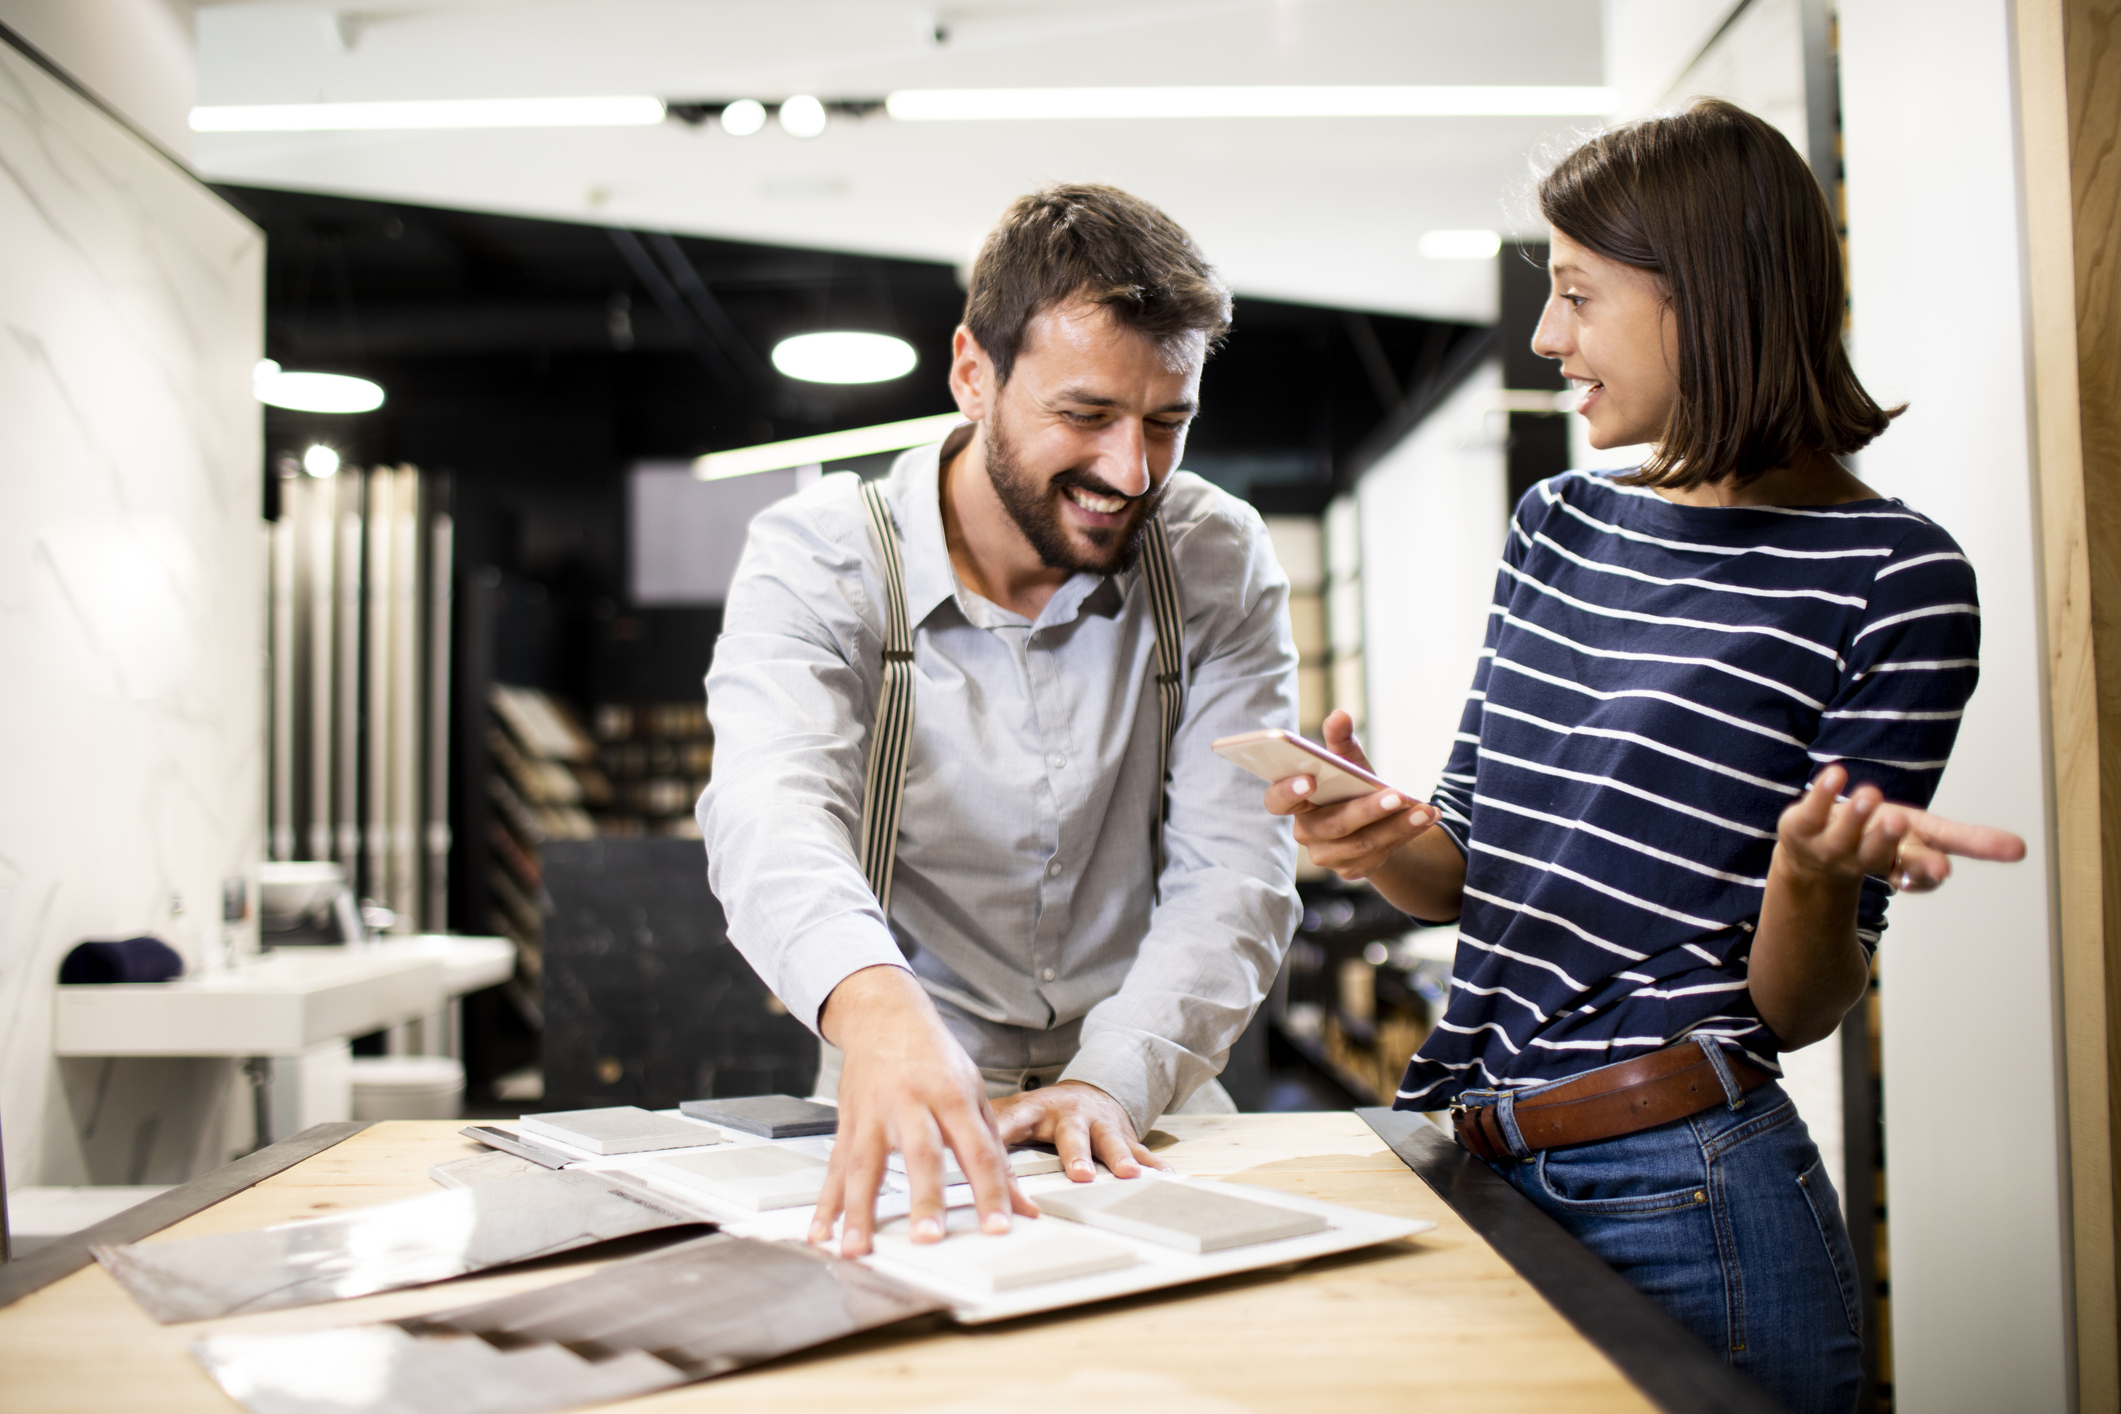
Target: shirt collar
(915, 492)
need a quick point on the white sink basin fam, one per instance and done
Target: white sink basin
(468, 964)
(280, 1004)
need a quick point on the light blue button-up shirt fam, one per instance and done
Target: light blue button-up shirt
(1024, 896)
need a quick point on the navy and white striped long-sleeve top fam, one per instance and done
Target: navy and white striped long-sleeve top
(1658, 683)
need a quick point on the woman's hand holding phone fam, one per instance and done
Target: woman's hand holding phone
(1353, 838)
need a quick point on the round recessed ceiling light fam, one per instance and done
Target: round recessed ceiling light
(320, 461)
(1459, 245)
(844, 356)
(802, 116)
(743, 117)
(313, 392)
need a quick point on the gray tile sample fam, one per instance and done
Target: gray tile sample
(767, 1116)
(620, 1129)
(758, 1176)
(1033, 1252)
(1190, 1217)
(689, 1312)
(411, 1243)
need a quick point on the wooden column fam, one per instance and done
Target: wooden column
(2069, 55)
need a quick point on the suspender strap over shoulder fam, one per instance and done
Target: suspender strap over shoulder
(883, 788)
(884, 784)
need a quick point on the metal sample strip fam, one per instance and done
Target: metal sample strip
(1660, 1357)
(70, 1254)
(409, 1243)
(686, 1313)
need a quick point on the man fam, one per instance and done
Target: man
(1039, 976)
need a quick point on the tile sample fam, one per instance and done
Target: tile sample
(1022, 1162)
(756, 1176)
(768, 1116)
(621, 1129)
(395, 1245)
(510, 1142)
(1033, 1252)
(687, 1313)
(1190, 1217)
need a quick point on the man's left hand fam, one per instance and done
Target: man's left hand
(1083, 1123)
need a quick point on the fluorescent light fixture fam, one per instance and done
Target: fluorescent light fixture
(844, 356)
(1338, 101)
(1458, 245)
(826, 447)
(320, 461)
(621, 112)
(743, 117)
(313, 392)
(802, 116)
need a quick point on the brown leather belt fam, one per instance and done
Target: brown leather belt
(1608, 1102)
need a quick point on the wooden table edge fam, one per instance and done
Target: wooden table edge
(1670, 1365)
(24, 1275)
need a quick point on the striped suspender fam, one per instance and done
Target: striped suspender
(883, 786)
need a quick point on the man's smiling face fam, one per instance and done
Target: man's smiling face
(1081, 439)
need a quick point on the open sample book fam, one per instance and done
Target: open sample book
(707, 1306)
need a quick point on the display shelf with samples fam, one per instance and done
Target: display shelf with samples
(1361, 989)
(658, 756)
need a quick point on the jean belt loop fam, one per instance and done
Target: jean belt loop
(1506, 1121)
(1721, 1064)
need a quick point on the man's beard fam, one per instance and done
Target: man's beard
(1031, 504)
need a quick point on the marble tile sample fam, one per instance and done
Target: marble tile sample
(1022, 1162)
(757, 1176)
(411, 1243)
(1190, 1217)
(482, 1168)
(689, 1312)
(1033, 1252)
(620, 1129)
(767, 1116)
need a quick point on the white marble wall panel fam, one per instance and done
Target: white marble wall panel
(132, 593)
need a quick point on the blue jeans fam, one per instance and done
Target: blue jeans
(1727, 1220)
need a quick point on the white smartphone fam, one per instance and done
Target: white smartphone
(1278, 755)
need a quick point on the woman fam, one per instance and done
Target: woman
(1715, 695)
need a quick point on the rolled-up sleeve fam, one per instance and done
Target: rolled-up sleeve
(791, 704)
(1227, 904)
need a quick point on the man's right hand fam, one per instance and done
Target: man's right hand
(906, 1085)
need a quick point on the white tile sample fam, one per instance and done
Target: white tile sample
(1022, 1162)
(1033, 1252)
(1189, 1217)
(619, 1129)
(757, 1176)
(132, 586)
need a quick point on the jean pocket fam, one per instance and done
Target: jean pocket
(1617, 1184)
(1818, 1192)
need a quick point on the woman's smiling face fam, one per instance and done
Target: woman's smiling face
(1613, 330)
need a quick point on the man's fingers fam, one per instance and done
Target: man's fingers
(1116, 1148)
(1146, 1157)
(1071, 1137)
(828, 1201)
(865, 1174)
(982, 1154)
(920, 1146)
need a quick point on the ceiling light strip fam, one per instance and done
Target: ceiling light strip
(825, 447)
(1321, 101)
(610, 112)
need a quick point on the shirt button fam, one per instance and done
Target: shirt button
(1057, 760)
(1053, 869)
(1048, 974)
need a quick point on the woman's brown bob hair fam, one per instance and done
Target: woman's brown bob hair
(1723, 211)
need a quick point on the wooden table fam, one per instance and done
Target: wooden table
(1436, 1322)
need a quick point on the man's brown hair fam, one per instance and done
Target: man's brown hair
(1719, 206)
(1099, 244)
